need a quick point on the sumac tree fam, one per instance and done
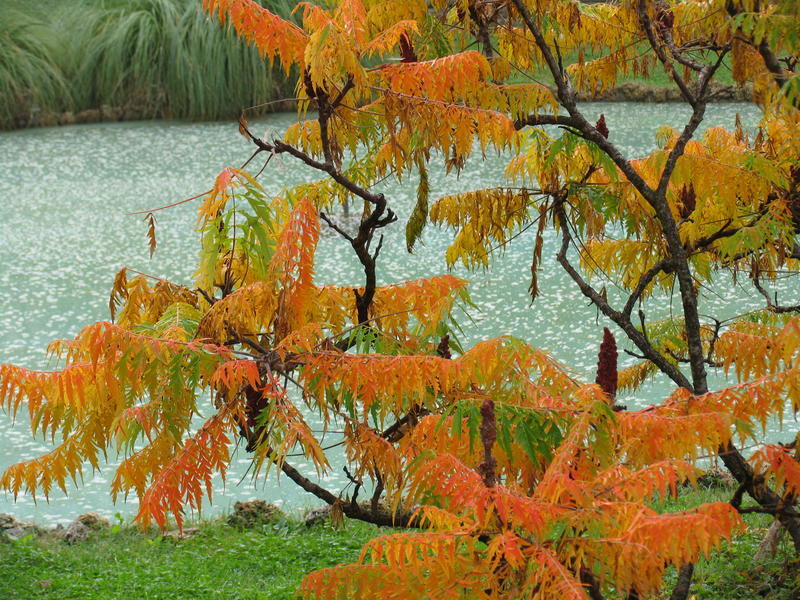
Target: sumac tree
(522, 481)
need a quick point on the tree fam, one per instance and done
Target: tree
(522, 480)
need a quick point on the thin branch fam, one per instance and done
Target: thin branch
(566, 95)
(335, 227)
(280, 146)
(271, 102)
(722, 232)
(677, 54)
(402, 518)
(179, 202)
(771, 306)
(565, 91)
(680, 145)
(642, 284)
(714, 337)
(622, 320)
(208, 297)
(647, 26)
(771, 61)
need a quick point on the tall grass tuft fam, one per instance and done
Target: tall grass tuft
(30, 76)
(159, 58)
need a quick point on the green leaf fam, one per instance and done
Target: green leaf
(419, 216)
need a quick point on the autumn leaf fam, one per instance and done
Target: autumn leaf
(150, 218)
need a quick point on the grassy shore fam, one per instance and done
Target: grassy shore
(220, 562)
(730, 573)
(109, 60)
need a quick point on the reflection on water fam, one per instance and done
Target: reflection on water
(64, 233)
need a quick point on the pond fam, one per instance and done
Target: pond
(64, 234)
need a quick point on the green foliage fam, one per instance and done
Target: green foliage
(29, 73)
(419, 216)
(163, 58)
(730, 572)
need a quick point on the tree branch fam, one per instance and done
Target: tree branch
(565, 91)
(722, 232)
(566, 95)
(681, 590)
(771, 61)
(379, 217)
(354, 511)
(666, 35)
(678, 257)
(621, 319)
(772, 306)
(647, 26)
(587, 578)
(481, 30)
(765, 497)
(642, 284)
(335, 227)
(281, 146)
(535, 120)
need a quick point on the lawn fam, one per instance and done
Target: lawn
(219, 562)
(268, 562)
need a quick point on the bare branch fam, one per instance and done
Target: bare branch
(772, 306)
(772, 63)
(281, 146)
(535, 120)
(647, 26)
(565, 91)
(622, 320)
(335, 227)
(402, 518)
(641, 285)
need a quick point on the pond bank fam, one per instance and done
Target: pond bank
(635, 91)
(630, 91)
(245, 515)
(212, 561)
(113, 114)
(217, 561)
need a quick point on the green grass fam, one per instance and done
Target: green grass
(730, 572)
(224, 563)
(168, 57)
(218, 563)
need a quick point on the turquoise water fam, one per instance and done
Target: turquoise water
(64, 233)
